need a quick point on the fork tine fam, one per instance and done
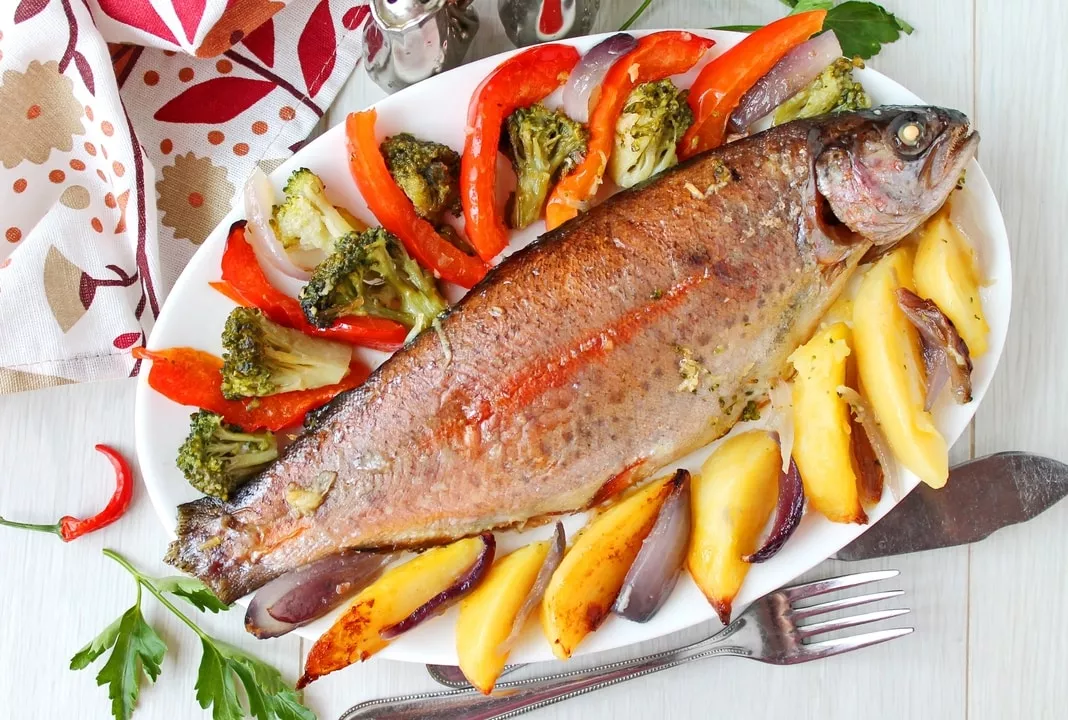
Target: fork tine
(807, 631)
(819, 587)
(833, 605)
(828, 648)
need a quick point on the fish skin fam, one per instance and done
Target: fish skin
(556, 381)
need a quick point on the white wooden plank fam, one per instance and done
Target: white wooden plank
(58, 596)
(1018, 583)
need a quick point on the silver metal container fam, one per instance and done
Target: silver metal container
(410, 40)
(528, 22)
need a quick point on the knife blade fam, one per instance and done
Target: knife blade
(981, 496)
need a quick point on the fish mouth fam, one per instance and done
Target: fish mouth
(947, 159)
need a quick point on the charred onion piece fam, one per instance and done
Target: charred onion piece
(308, 593)
(864, 414)
(557, 547)
(655, 570)
(788, 514)
(869, 469)
(447, 597)
(945, 356)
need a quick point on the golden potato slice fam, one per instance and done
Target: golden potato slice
(822, 442)
(840, 311)
(891, 369)
(732, 497)
(582, 590)
(947, 273)
(488, 613)
(392, 598)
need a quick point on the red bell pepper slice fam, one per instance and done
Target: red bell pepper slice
(656, 57)
(247, 285)
(721, 84)
(517, 82)
(395, 211)
(193, 377)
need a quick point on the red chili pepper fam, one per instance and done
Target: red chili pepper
(656, 57)
(249, 286)
(517, 82)
(193, 377)
(721, 84)
(395, 211)
(70, 528)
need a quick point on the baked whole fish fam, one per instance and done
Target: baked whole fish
(625, 339)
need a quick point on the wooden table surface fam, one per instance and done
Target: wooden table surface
(991, 627)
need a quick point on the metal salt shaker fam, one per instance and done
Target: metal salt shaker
(533, 21)
(410, 40)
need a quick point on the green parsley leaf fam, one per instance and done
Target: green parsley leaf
(864, 27)
(137, 649)
(287, 706)
(269, 697)
(194, 591)
(96, 647)
(215, 685)
(805, 5)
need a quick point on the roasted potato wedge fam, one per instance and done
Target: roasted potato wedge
(390, 599)
(584, 586)
(488, 613)
(732, 498)
(891, 369)
(947, 273)
(822, 443)
(840, 311)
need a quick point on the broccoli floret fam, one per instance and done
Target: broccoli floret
(217, 457)
(307, 220)
(371, 274)
(545, 144)
(427, 172)
(833, 90)
(654, 117)
(262, 358)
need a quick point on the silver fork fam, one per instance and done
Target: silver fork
(770, 630)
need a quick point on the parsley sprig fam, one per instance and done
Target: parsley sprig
(137, 651)
(862, 27)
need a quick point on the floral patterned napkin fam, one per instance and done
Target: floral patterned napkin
(126, 129)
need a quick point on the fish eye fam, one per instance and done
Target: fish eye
(911, 135)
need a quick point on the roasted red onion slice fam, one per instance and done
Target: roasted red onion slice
(557, 547)
(790, 508)
(869, 470)
(259, 198)
(655, 571)
(793, 73)
(587, 76)
(864, 414)
(308, 593)
(945, 356)
(448, 597)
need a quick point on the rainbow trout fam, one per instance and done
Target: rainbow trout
(608, 348)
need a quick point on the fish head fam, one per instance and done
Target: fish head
(884, 171)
